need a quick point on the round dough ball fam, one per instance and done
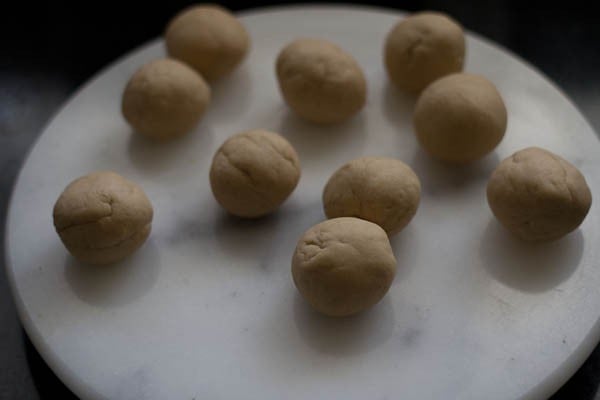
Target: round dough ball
(320, 81)
(253, 172)
(165, 99)
(343, 266)
(538, 195)
(208, 38)
(381, 190)
(102, 217)
(460, 118)
(422, 48)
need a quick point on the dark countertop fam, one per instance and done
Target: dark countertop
(48, 50)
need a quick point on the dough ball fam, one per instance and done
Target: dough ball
(343, 266)
(460, 118)
(381, 190)
(253, 172)
(208, 38)
(102, 217)
(320, 81)
(165, 99)
(537, 195)
(422, 48)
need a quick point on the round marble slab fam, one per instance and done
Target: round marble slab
(207, 308)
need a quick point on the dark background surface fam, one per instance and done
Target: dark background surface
(48, 50)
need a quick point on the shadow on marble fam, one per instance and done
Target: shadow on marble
(405, 245)
(189, 229)
(231, 93)
(398, 108)
(153, 157)
(439, 178)
(316, 142)
(345, 336)
(531, 267)
(117, 284)
(247, 238)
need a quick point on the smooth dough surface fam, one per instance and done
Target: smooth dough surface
(208, 38)
(320, 81)
(343, 266)
(460, 118)
(382, 190)
(102, 217)
(253, 172)
(165, 99)
(538, 195)
(422, 48)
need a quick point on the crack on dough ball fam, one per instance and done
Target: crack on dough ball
(208, 38)
(382, 190)
(165, 99)
(343, 266)
(460, 118)
(102, 217)
(422, 48)
(320, 81)
(253, 173)
(538, 195)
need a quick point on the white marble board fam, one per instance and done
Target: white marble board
(207, 308)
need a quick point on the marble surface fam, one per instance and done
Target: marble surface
(207, 308)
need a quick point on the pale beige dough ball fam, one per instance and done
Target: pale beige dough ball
(102, 217)
(253, 172)
(460, 118)
(343, 266)
(165, 99)
(538, 195)
(320, 81)
(422, 48)
(382, 190)
(209, 38)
